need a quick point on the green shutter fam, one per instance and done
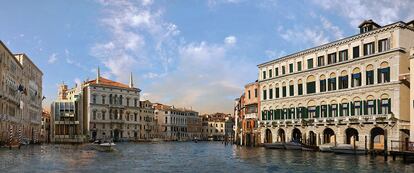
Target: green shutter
(379, 75)
(305, 112)
(263, 115)
(352, 109)
(340, 110)
(361, 107)
(329, 110)
(379, 106)
(348, 110)
(389, 106)
(317, 115)
(365, 107)
(375, 107)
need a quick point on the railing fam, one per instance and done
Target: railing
(402, 145)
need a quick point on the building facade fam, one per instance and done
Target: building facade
(217, 127)
(174, 122)
(149, 124)
(45, 130)
(250, 136)
(20, 98)
(346, 91)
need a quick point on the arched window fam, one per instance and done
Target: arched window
(344, 108)
(120, 99)
(284, 89)
(271, 92)
(277, 91)
(310, 85)
(300, 87)
(343, 80)
(369, 74)
(291, 88)
(324, 109)
(384, 104)
(312, 109)
(333, 109)
(356, 106)
(356, 77)
(264, 93)
(110, 98)
(384, 73)
(370, 106)
(322, 83)
(332, 82)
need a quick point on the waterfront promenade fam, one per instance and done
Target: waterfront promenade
(186, 157)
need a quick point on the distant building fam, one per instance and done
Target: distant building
(217, 126)
(174, 123)
(20, 98)
(249, 122)
(45, 130)
(149, 127)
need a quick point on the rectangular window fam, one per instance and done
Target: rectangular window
(332, 58)
(322, 85)
(276, 71)
(277, 92)
(355, 52)
(103, 99)
(290, 68)
(299, 66)
(334, 110)
(284, 91)
(310, 88)
(300, 89)
(248, 94)
(343, 82)
(283, 70)
(291, 90)
(94, 99)
(370, 77)
(310, 63)
(384, 75)
(369, 48)
(345, 110)
(264, 95)
(383, 45)
(312, 112)
(270, 73)
(357, 108)
(255, 93)
(385, 106)
(321, 61)
(356, 80)
(270, 93)
(331, 84)
(264, 75)
(371, 107)
(324, 111)
(343, 55)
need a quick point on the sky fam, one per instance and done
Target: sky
(195, 54)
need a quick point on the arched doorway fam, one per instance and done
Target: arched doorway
(312, 138)
(116, 135)
(296, 135)
(351, 135)
(281, 136)
(268, 136)
(328, 136)
(377, 138)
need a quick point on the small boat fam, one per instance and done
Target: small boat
(309, 148)
(293, 145)
(326, 147)
(108, 146)
(276, 145)
(347, 149)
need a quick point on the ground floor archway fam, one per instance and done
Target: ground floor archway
(352, 135)
(312, 138)
(281, 136)
(328, 136)
(377, 138)
(296, 135)
(268, 136)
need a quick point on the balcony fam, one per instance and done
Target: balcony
(251, 116)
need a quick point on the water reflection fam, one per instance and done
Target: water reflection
(186, 157)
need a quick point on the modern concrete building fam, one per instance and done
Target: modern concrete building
(352, 89)
(20, 97)
(174, 123)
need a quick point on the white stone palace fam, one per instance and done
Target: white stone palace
(353, 89)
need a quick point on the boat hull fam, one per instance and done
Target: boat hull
(349, 151)
(274, 146)
(293, 146)
(310, 148)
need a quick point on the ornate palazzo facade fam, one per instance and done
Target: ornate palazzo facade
(347, 91)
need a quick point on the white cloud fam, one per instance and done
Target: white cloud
(230, 40)
(382, 11)
(303, 36)
(52, 58)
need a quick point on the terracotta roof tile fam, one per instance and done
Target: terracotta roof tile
(107, 82)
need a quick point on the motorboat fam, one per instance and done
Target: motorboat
(309, 147)
(326, 147)
(293, 145)
(107, 146)
(348, 149)
(276, 145)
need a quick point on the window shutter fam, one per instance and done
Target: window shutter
(352, 109)
(361, 107)
(340, 110)
(379, 106)
(387, 76)
(305, 111)
(329, 110)
(375, 107)
(365, 107)
(269, 114)
(317, 115)
(379, 75)
(337, 112)
(263, 115)
(389, 106)
(288, 114)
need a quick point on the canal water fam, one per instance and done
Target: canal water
(186, 157)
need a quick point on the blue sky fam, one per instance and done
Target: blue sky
(195, 54)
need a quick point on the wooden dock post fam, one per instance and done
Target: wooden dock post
(385, 145)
